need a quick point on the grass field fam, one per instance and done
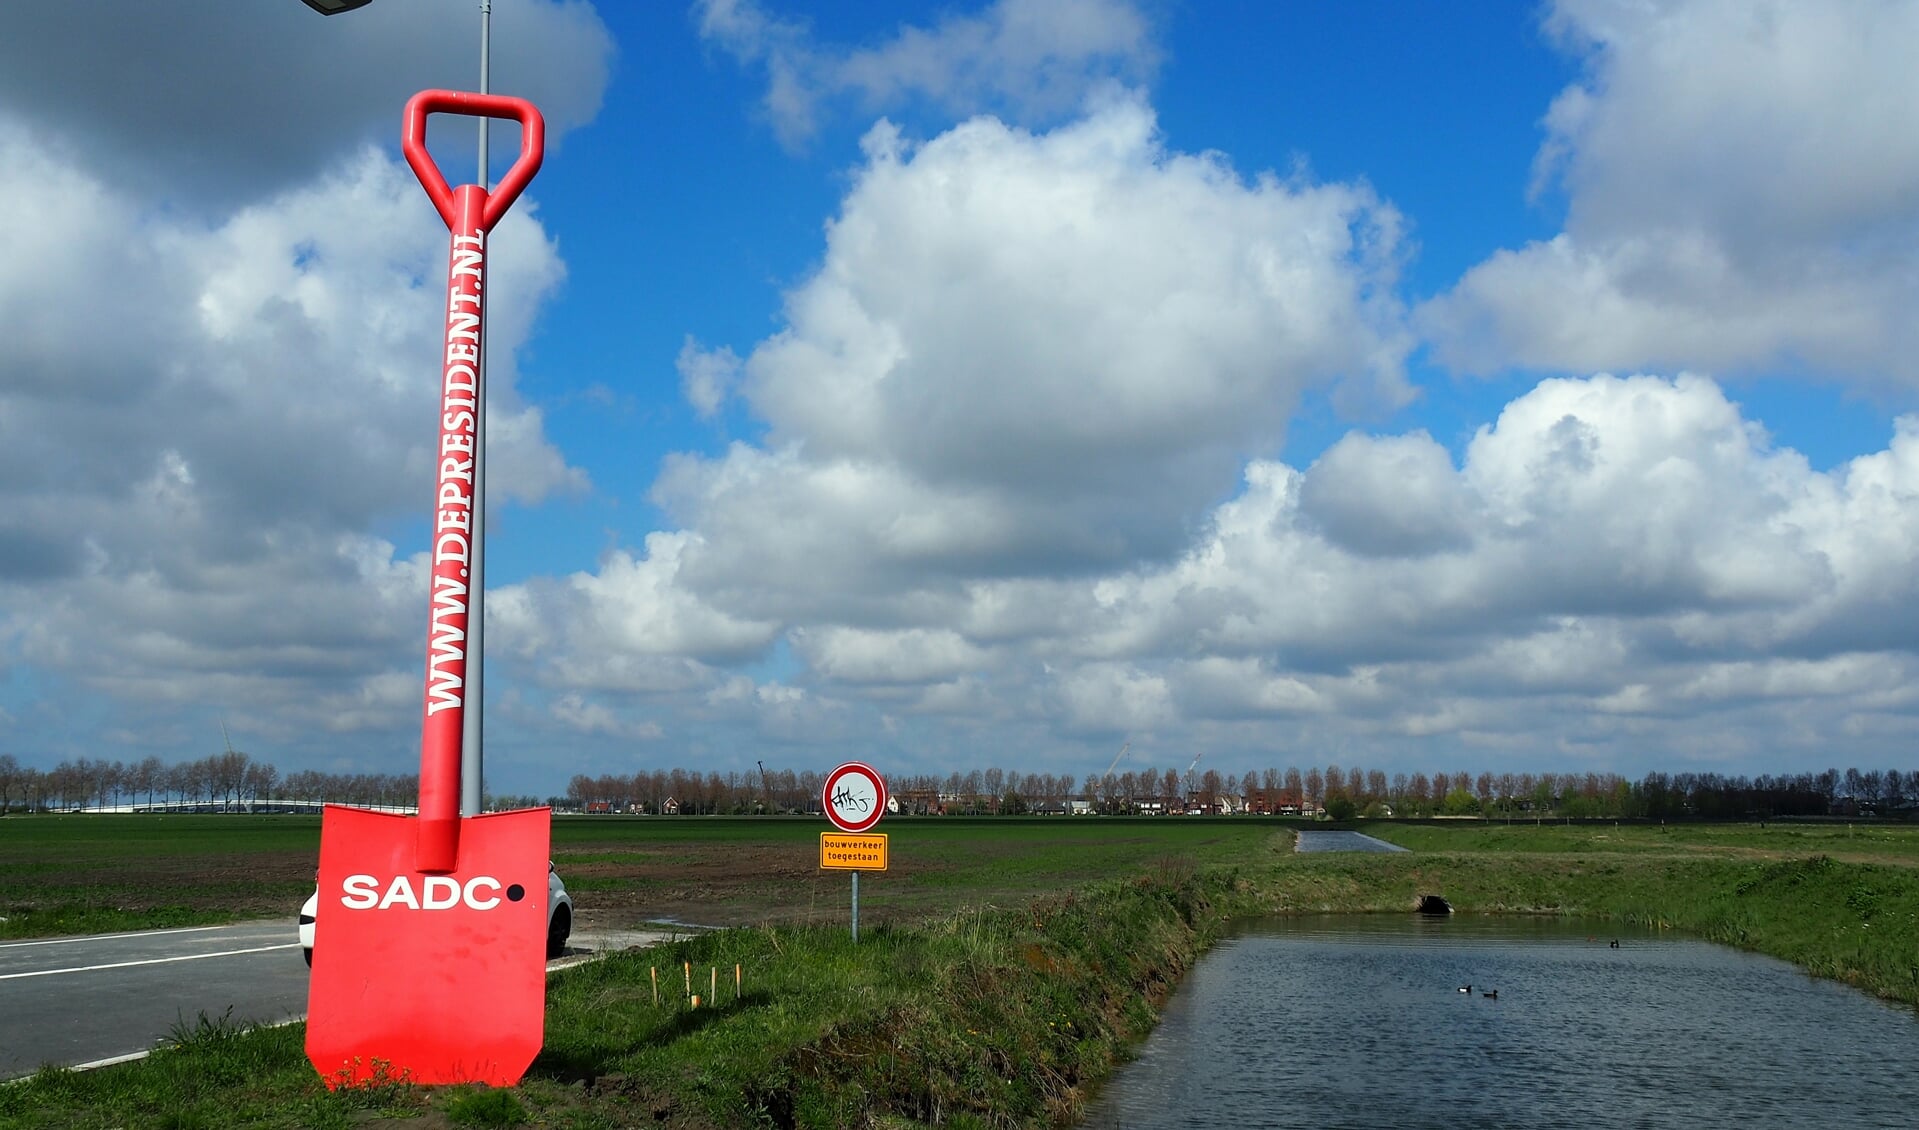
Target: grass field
(749, 871)
(1018, 960)
(93, 874)
(97, 874)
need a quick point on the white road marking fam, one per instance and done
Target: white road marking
(148, 961)
(110, 1061)
(108, 937)
(132, 1056)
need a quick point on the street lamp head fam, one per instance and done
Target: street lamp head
(335, 7)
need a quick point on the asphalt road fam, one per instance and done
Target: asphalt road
(75, 1001)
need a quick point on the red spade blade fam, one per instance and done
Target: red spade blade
(429, 978)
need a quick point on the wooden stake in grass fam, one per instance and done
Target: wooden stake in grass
(688, 973)
(655, 971)
(736, 980)
(713, 982)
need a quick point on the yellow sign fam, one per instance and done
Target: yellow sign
(853, 851)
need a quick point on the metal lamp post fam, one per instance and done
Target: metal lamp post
(472, 786)
(472, 762)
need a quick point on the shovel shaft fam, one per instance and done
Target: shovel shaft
(470, 213)
(453, 529)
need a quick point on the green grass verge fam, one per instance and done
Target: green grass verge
(985, 1017)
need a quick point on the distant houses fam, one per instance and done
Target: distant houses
(941, 802)
(1275, 802)
(926, 798)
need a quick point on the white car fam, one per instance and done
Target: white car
(559, 917)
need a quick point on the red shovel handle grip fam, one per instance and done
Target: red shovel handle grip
(532, 147)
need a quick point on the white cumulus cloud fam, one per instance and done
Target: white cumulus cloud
(984, 378)
(1736, 200)
(1034, 60)
(188, 492)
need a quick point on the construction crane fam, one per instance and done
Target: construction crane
(1097, 786)
(766, 783)
(1189, 773)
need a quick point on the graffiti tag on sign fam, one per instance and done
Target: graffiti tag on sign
(854, 797)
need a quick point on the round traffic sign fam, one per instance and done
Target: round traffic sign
(854, 797)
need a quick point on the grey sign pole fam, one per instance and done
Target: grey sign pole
(473, 735)
(856, 906)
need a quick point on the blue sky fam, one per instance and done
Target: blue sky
(1486, 387)
(683, 136)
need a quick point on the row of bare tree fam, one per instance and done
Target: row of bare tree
(783, 790)
(226, 780)
(1374, 792)
(234, 780)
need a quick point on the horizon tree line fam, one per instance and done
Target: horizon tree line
(235, 780)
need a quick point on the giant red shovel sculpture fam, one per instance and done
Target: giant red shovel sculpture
(430, 957)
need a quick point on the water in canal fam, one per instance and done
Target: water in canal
(1359, 1021)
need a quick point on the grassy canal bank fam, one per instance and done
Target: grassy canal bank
(1837, 902)
(1007, 1011)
